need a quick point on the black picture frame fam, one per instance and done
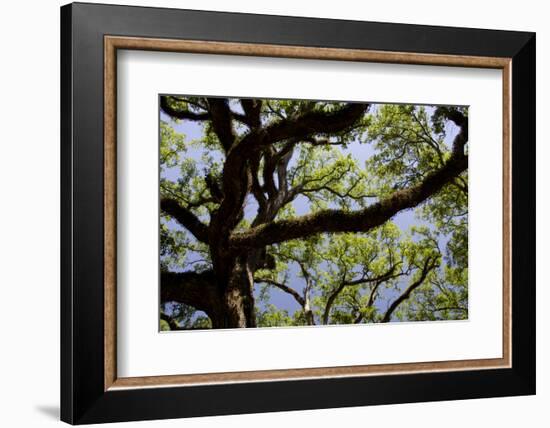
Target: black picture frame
(83, 398)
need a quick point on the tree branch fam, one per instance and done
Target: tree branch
(429, 265)
(185, 217)
(181, 114)
(284, 288)
(363, 280)
(332, 221)
(221, 116)
(252, 109)
(256, 187)
(315, 122)
(190, 288)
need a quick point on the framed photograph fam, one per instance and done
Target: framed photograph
(266, 213)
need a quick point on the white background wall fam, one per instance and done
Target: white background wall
(29, 214)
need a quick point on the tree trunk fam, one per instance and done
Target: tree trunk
(238, 298)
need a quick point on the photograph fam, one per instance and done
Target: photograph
(262, 212)
(293, 213)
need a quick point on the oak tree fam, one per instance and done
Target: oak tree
(270, 197)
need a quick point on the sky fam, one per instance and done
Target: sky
(361, 152)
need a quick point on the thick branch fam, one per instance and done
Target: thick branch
(269, 168)
(316, 122)
(185, 217)
(190, 288)
(252, 109)
(222, 121)
(181, 114)
(257, 188)
(332, 221)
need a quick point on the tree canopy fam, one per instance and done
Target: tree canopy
(292, 212)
